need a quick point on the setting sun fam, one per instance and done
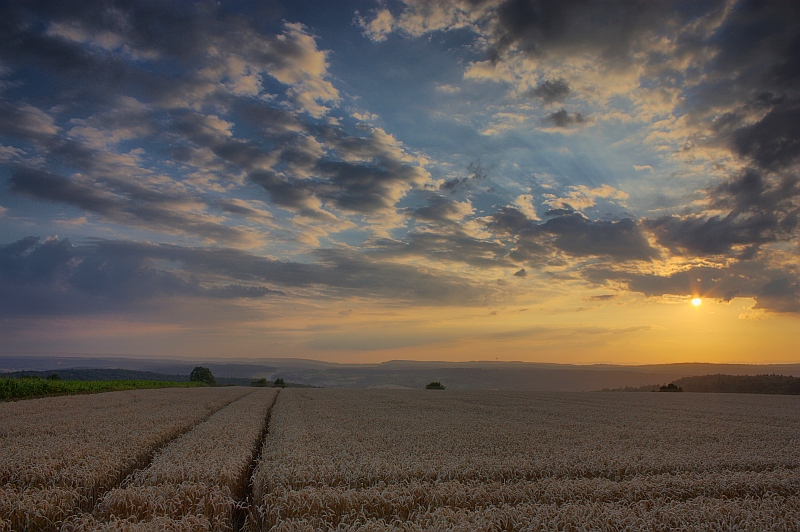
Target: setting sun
(696, 301)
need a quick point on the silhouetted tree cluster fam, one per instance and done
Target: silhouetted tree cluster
(435, 385)
(769, 384)
(201, 374)
(279, 383)
(670, 388)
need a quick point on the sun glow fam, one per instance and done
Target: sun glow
(696, 301)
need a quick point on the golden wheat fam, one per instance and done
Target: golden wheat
(196, 481)
(393, 460)
(60, 453)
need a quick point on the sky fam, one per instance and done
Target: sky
(369, 180)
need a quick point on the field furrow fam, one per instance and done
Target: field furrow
(197, 482)
(59, 454)
(381, 460)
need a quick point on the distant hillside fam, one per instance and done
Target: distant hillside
(485, 375)
(772, 384)
(719, 383)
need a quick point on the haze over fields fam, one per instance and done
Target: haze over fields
(361, 181)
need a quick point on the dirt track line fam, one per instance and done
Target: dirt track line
(90, 504)
(243, 505)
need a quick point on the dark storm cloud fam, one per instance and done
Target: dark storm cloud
(365, 188)
(714, 235)
(476, 174)
(438, 209)
(57, 277)
(562, 118)
(551, 91)
(762, 209)
(508, 220)
(125, 203)
(780, 295)
(87, 44)
(206, 131)
(755, 190)
(620, 240)
(25, 122)
(774, 141)
(451, 246)
(612, 29)
(369, 176)
(571, 233)
(44, 185)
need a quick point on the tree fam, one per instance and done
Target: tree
(201, 374)
(435, 385)
(670, 388)
(279, 383)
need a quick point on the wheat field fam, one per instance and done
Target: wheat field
(394, 460)
(59, 454)
(226, 459)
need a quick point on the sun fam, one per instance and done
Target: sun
(696, 301)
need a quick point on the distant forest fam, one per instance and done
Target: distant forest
(769, 384)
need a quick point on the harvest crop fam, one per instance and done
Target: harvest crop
(393, 460)
(399, 460)
(194, 483)
(60, 453)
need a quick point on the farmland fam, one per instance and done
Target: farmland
(24, 388)
(227, 459)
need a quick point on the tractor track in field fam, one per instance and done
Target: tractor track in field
(243, 507)
(90, 503)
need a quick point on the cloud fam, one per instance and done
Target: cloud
(356, 174)
(379, 27)
(440, 209)
(762, 208)
(621, 240)
(774, 141)
(420, 16)
(581, 197)
(551, 91)
(774, 289)
(476, 174)
(447, 89)
(779, 295)
(508, 220)
(137, 205)
(25, 121)
(563, 119)
(56, 277)
(451, 245)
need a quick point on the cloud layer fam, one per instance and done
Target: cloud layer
(463, 153)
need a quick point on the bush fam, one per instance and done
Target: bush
(435, 385)
(201, 374)
(260, 383)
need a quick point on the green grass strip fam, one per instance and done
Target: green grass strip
(27, 388)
